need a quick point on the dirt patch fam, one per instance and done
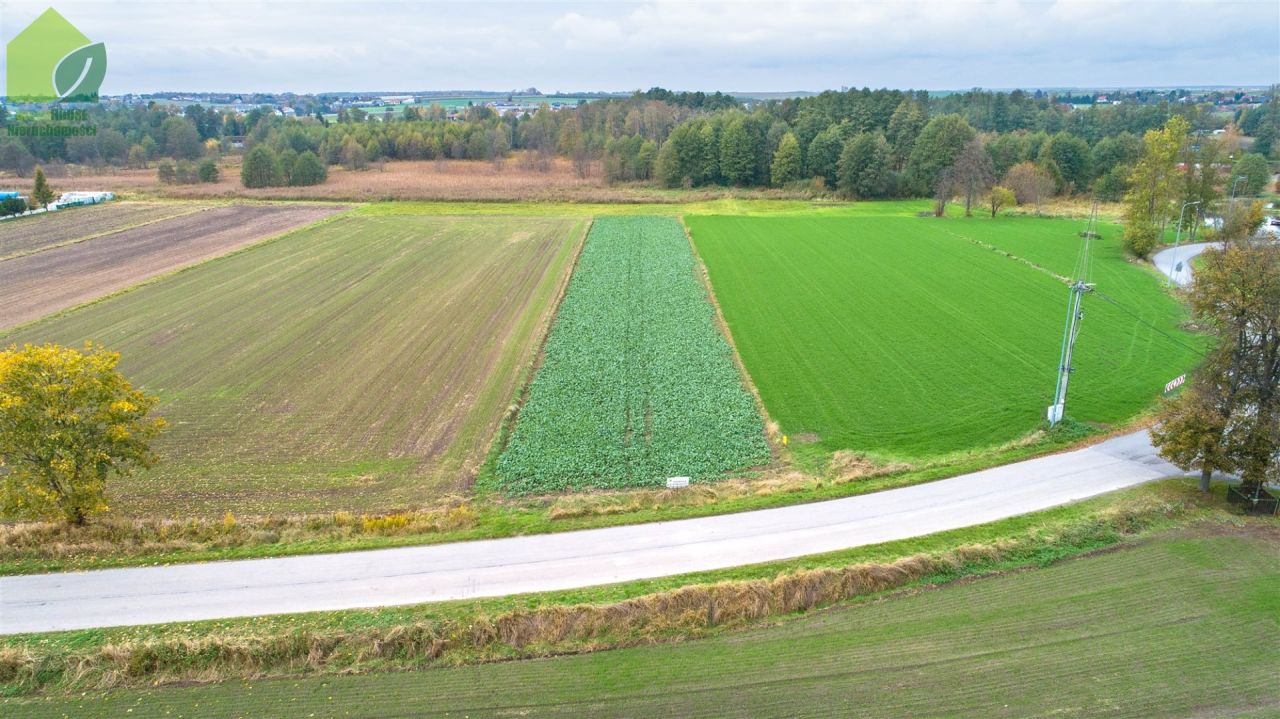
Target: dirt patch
(24, 235)
(849, 465)
(35, 285)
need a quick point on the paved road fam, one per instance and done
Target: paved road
(566, 560)
(1175, 262)
(412, 575)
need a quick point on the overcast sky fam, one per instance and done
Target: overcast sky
(775, 46)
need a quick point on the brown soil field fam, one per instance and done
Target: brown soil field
(38, 284)
(360, 364)
(24, 235)
(471, 180)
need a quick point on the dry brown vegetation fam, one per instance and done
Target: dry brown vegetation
(513, 179)
(41, 283)
(51, 541)
(686, 612)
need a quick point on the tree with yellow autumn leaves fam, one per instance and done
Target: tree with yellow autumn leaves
(69, 420)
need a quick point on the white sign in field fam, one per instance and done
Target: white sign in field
(1175, 383)
(677, 482)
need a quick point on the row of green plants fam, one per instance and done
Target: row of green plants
(637, 383)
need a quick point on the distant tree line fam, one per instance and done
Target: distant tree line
(859, 142)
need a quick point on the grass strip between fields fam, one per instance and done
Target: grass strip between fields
(36, 547)
(589, 619)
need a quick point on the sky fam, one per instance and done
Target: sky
(354, 45)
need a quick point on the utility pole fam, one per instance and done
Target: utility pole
(1075, 313)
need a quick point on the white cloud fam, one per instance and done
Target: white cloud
(742, 45)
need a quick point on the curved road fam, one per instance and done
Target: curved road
(411, 575)
(1175, 262)
(566, 560)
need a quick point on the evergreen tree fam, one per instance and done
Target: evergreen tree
(41, 193)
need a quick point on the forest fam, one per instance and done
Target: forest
(860, 142)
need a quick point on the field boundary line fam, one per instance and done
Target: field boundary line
(530, 370)
(171, 273)
(1005, 253)
(106, 233)
(723, 325)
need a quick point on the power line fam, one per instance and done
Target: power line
(1079, 287)
(1139, 318)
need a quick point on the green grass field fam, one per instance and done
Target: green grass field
(909, 337)
(1181, 625)
(637, 384)
(362, 363)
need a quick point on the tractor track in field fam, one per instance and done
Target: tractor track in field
(41, 283)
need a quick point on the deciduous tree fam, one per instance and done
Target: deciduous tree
(1252, 173)
(69, 420)
(1229, 418)
(824, 154)
(786, 161)
(1030, 184)
(863, 170)
(935, 149)
(1152, 186)
(1000, 197)
(969, 177)
(737, 154)
(262, 168)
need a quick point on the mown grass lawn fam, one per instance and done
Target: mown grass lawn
(1179, 625)
(363, 363)
(910, 337)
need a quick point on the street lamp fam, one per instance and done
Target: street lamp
(1173, 256)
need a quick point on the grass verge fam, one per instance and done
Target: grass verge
(590, 619)
(35, 547)
(1178, 625)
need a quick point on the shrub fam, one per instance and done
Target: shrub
(12, 206)
(185, 173)
(1140, 239)
(308, 170)
(166, 172)
(208, 171)
(262, 168)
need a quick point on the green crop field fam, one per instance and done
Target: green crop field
(361, 363)
(910, 337)
(1178, 626)
(637, 383)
